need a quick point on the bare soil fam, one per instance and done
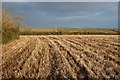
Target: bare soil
(62, 56)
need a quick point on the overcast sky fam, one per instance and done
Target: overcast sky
(60, 0)
(66, 14)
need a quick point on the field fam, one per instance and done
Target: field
(62, 56)
(68, 31)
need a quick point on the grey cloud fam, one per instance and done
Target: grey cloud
(46, 14)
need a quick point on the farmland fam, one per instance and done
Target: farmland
(62, 56)
(68, 31)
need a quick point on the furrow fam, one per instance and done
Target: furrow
(101, 52)
(76, 59)
(6, 56)
(11, 67)
(66, 62)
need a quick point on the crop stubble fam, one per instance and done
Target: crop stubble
(62, 56)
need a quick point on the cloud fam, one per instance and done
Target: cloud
(72, 17)
(62, 14)
(15, 0)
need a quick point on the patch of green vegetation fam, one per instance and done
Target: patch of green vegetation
(9, 35)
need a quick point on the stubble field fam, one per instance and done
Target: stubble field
(62, 56)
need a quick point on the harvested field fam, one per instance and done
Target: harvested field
(62, 56)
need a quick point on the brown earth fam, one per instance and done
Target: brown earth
(65, 56)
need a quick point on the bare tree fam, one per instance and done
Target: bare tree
(10, 24)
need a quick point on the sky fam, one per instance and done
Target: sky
(66, 14)
(60, 0)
